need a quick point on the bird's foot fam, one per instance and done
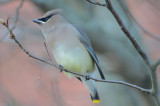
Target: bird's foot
(87, 76)
(60, 67)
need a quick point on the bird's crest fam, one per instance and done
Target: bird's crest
(52, 12)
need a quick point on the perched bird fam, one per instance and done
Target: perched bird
(70, 47)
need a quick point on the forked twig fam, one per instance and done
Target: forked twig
(154, 90)
(124, 29)
(12, 36)
(96, 3)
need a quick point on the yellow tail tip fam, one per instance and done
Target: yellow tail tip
(96, 101)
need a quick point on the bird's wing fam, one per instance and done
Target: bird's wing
(86, 42)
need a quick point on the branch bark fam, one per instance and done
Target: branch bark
(96, 3)
(12, 36)
(152, 66)
(155, 92)
(16, 15)
(137, 23)
(127, 33)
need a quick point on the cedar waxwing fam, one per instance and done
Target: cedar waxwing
(70, 47)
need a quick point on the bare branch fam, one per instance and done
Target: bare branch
(147, 91)
(47, 49)
(127, 33)
(156, 64)
(154, 90)
(12, 36)
(144, 30)
(96, 3)
(154, 79)
(137, 23)
(16, 15)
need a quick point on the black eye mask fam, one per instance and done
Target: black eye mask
(45, 18)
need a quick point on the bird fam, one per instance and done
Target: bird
(71, 48)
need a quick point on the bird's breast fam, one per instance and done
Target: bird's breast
(67, 49)
(73, 57)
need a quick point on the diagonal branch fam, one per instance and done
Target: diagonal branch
(137, 23)
(16, 15)
(127, 33)
(96, 3)
(157, 63)
(154, 90)
(152, 66)
(12, 36)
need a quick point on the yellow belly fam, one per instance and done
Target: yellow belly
(75, 59)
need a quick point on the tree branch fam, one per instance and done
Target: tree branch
(12, 36)
(153, 91)
(152, 67)
(156, 64)
(137, 23)
(96, 3)
(16, 15)
(154, 79)
(127, 33)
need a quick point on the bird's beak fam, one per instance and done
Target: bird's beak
(37, 21)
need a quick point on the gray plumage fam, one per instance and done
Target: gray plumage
(86, 42)
(71, 47)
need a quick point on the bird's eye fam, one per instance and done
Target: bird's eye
(45, 18)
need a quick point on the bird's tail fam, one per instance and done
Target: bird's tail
(95, 98)
(91, 85)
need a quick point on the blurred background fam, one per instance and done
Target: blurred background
(20, 74)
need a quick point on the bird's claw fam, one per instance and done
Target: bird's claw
(87, 76)
(60, 67)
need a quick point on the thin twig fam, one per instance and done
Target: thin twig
(154, 90)
(157, 63)
(154, 79)
(96, 3)
(12, 36)
(147, 91)
(137, 23)
(127, 33)
(47, 50)
(144, 30)
(131, 16)
(16, 15)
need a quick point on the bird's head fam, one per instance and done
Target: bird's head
(47, 17)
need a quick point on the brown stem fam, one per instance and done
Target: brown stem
(96, 3)
(139, 50)
(154, 90)
(12, 36)
(127, 33)
(16, 15)
(137, 23)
